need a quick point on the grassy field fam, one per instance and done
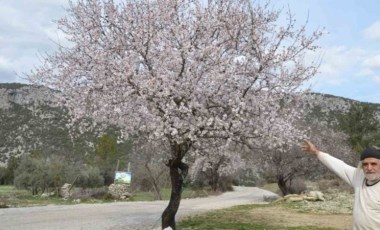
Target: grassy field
(333, 214)
(266, 217)
(12, 197)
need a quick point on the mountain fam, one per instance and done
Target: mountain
(30, 122)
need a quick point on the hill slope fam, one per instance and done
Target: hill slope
(30, 121)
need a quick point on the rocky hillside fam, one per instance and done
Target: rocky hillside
(29, 122)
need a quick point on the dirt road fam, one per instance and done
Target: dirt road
(119, 215)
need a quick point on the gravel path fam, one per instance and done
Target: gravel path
(119, 215)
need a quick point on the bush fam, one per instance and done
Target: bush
(38, 175)
(32, 174)
(225, 184)
(291, 186)
(89, 177)
(88, 193)
(297, 186)
(108, 196)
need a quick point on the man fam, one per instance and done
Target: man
(364, 179)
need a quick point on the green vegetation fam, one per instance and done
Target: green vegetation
(362, 126)
(247, 217)
(10, 196)
(13, 197)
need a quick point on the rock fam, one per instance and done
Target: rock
(317, 195)
(294, 199)
(119, 191)
(47, 194)
(311, 196)
(65, 191)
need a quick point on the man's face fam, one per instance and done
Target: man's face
(371, 168)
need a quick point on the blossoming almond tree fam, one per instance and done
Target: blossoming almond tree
(181, 71)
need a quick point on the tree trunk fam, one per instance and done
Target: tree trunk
(281, 182)
(214, 180)
(178, 171)
(284, 182)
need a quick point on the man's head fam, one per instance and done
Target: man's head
(370, 159)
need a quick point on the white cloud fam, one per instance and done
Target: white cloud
(336, 62)
(376, 79)
(4, 63)
(370, 67)
(27, 29)
(372, 62)
(373, 31)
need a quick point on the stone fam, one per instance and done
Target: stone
(119, 191)
(64, 192)
(317, 195)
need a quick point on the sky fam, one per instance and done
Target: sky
(349, 53)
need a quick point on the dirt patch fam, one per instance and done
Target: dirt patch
(283, 217)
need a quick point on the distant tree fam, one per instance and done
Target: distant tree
(148, 166)
(89, 177)
(7, 173)
(109, 154)
(216, 166)
(181, 71)
(32, 174)
(106, 157)
(361, 126)
(291, 165)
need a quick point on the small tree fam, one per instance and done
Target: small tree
(148, 166)
(217, 164)
(291, 164)
(106, 157)
(7, 173)
(32, 174)
(181, 71)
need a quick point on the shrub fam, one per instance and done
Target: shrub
(89, 177)
(88, 193)
(297, 186)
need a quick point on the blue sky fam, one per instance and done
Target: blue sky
(350, 50)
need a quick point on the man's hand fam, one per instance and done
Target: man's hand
(310, 147)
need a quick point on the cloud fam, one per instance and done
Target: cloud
(337, 61)
(373, 31)
(370, 68)
(27, 29)
(376, 78)
(6, 73)
(372, 62)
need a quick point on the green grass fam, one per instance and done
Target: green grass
(12, 197)
(9, 190)
(238, 218)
